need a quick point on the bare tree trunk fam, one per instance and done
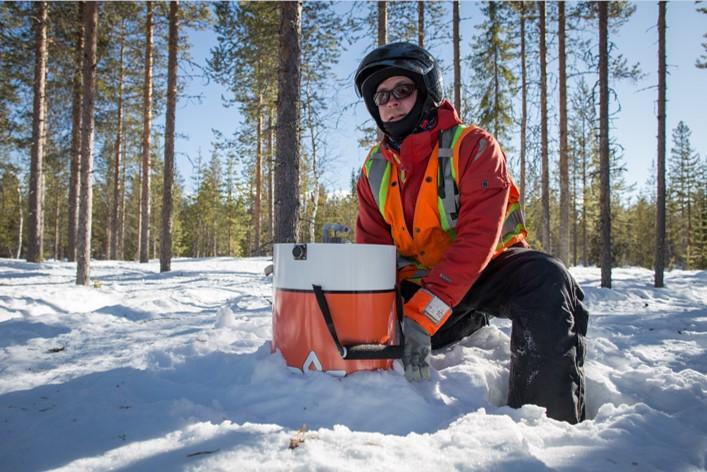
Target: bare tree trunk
(57, 232)
(584, 194)
(288, 118)
(314, 191)
(45, 205)
(421, 24)
(564, 164)
(109, 201)
(496, 85)
(271, 172)
(121, 206)
(382, 38)
(545, 180)
(74, 179)
(138, 248)
(688, 236)
(575, 219)
(258, 176)
(382, 23)
(605, 185)
(35, 236)
(117, 164)
(166, 239)
(660, 196)
(20, 215)
(145, 198)
(83, 252)
(524, 105)
(456, 39)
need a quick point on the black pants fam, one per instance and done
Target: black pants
(537, 293)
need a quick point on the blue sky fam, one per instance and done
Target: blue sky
(635, 126)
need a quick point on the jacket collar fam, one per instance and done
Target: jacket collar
(417, 147)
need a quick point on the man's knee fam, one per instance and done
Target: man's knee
(546, 270)
(545, 285)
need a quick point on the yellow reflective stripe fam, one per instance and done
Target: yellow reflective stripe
(447, 207)
(383, 191)
(444, 224)
(513, 215)
(457, 133)
(504, 239)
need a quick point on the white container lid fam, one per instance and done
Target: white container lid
(336, 267)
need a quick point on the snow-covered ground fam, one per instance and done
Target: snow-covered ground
(148, 371)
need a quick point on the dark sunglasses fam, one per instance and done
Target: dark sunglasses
(399, 92)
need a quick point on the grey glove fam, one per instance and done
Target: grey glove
(416, 351)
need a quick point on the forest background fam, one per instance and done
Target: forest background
(225, 144)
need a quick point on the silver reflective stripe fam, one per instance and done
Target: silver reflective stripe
(512, 220)
(445, 152)
(404, 261)
(449, 197)
(375, 176)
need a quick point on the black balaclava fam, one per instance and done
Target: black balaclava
(396, 130)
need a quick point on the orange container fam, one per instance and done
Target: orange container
(358, 281)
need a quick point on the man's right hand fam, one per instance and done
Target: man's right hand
(416, 352)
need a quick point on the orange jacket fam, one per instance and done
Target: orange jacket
(410, 216)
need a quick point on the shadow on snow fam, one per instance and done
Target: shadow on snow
(94, 414)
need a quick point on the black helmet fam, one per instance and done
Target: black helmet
(401, 59)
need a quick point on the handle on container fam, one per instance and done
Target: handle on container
(361, 351)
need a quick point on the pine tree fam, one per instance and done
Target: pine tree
(545, 229)
(421, 23)
(456, 40)
(167, 200)
(617, 68)
(35, 246)
(660, 202)
(18, 52)
(605, 208)
(701, 63)
(493, 79)
(75, 171)
(271, 174)
(523, 13)
(321, 49)
(415, 22)
(207, 208)
(288, 116)
(699, 236)
(242, 61)
(145, 197)
(683, 189)
(83, 251)
(382, 22)
(583, 147)
(11, 205)
(115, 214)
(564, 229)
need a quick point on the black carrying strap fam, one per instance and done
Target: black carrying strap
(361, 351)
